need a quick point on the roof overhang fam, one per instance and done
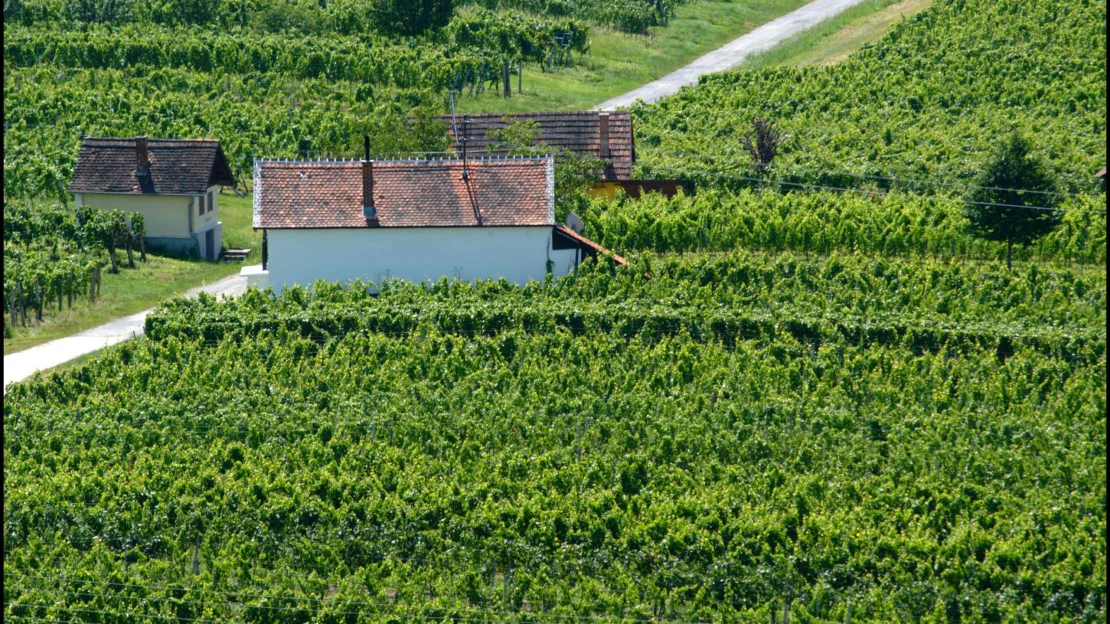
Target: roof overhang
(575, 240)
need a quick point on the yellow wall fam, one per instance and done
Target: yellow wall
(604, 190)
(165, 215)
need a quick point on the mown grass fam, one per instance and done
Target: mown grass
(836, 39)
(619, 62)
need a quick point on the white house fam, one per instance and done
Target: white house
(417, 220)
(174, 183)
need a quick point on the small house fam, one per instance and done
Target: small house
(603, 135)
(174, 183)
(607, 136)
(416, 220)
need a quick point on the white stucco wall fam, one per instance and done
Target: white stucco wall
(519, 254)
(211, 217)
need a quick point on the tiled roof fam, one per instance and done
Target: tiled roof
(177, 167)
(585, 242)
(578, 132)
(407, 193)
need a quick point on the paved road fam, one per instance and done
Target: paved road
(733, 53)
(21, 365)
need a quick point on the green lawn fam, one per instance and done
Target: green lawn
(836, 39)
(619, 62)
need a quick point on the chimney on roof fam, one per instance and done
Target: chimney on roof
(368, 209)
(142, 157)
(603, 135)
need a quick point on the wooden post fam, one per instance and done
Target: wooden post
(92, 286)
(69, 289)
(130, 243)
(520, 77)
(22, 304)
(38, 300)
(11, 303)
(507, 83)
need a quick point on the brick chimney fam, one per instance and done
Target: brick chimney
(142, 165)
(368, 209)
(603, 135)
(142, 157)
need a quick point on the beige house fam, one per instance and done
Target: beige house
(174, 183)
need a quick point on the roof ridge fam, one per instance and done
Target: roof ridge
(414, 161)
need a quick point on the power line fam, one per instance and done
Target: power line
(919, 181)
(822, 187)
(393, 607)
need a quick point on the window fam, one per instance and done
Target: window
(211, 201)
(202, 200)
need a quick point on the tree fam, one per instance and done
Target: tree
(410, 17)
(763, 143)
(1014, 198)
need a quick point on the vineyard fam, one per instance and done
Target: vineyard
(919, 110)
(812, 396)
(892, 224)
(602, 446)
(281, 93)
(53, 255)
(720, 298)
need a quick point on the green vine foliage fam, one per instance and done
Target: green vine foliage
(262, 92)
(282, 479)
(709, 298)
(897, 224)
(58, 248)
(924, 104)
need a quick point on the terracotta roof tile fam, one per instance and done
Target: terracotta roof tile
(177, 167)
(577, 131)
(407, 193)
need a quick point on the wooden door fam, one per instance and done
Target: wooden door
(210, 244)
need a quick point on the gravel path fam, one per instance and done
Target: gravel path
(733, 53)
(21, 365)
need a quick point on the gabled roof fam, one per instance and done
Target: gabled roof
(577, 131)
(407, 193)
(177, 167)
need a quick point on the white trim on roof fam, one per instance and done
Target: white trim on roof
(82, 191)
